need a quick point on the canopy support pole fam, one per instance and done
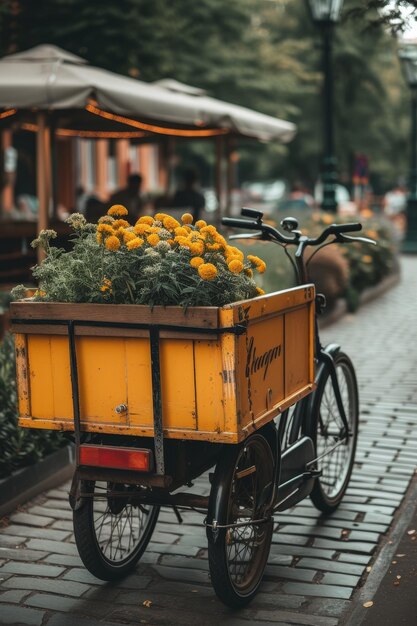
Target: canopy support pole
(219, 177)
(42, 174)
(231, 172)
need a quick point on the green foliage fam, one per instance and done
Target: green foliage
(18, 446)
(260, 54)
(156, 262)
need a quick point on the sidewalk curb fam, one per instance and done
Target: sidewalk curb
(383, 558)
(30, 481)
(371, 293)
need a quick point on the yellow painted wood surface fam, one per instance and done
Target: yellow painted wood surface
(219, 388)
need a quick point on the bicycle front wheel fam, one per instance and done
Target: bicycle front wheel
(238, 549)
(112, 531)
(334, 450)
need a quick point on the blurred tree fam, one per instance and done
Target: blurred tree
(264, 54)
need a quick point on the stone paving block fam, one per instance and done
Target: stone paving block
(321, 591)
(31, 532)
(60, 587)
(346, 580)
(182, 575)
(52, 546)
(60, 619)
(55, 513)
(275, 599)
(351, 546)
(22, 554)
(82, 575)
(177, 548)
(28, 519)
(284, 538)
(13, 596)
(328, 606)
(63, 524)
(313, 530)
(12, 614)
(9, 541)
(70, 605)
(289, 573)
(172, 560)
(302, 551)
(347, 557)
(331, 566)
(63, 559)
(279, 617)
(280, 559)
(31, 569)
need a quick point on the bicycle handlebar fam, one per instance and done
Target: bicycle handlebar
(268, 231)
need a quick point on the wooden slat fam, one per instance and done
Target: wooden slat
(205, 317)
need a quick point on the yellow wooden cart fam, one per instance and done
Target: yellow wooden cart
(154, 397)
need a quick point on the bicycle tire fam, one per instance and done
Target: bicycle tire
(235, 495)
(94, 530)
(336, 467)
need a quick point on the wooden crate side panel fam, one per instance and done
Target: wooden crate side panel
(297, 350)
(228, 343)
(61, 381)
(260, 369)
(40, 377)
(101, 378)
(271, 304)
(209, 386)
(178, 384)
(139, 382)
(22, 374)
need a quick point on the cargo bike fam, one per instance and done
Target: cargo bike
(153, 398)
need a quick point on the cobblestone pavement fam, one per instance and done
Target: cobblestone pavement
(315, 564)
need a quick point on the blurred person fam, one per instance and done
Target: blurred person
(188, 195)
(81, 198)
(395, 201)
(95, 208)
(130, 197)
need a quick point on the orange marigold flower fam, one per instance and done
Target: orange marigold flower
(235, 266)
(213, 247)
(99, 237)
(145, 219)
(235, 252)
(128, 236)
(140, 229)
(367, 258)
(207, 271)
(105, 228)
(257, 262)
(112, 243)
(137, 242)
(248, 272)
(117, 209)
(260, 291)
(161, 216)
(170, 223)
(181, 232)
(197, 247)
(153, 239)
(120, 224)
(196, 261)
(200, 224)
(187, 218)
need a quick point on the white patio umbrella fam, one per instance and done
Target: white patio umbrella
(47, 80)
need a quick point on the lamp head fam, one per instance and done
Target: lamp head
(325, 11)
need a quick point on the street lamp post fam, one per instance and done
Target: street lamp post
(325, 14)
(408, 56)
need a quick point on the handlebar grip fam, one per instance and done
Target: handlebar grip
(238, 223)
(346, 228)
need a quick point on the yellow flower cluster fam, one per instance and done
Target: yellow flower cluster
(210, 253)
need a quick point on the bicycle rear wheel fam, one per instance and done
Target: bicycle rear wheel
(112, 532)
(241, 490)
(335, 452)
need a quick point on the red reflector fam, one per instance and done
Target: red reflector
(116, 458)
